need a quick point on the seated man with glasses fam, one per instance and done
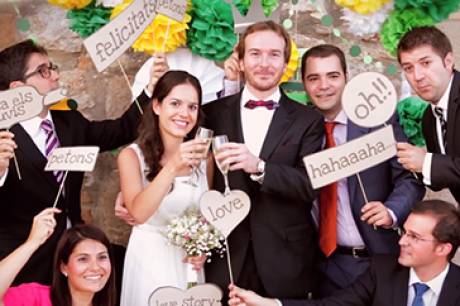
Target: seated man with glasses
(422, 275)
(21, 199)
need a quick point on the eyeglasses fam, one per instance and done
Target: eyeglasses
(414, 238)
(44, 70)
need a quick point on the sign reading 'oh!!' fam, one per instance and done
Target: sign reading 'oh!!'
(112, 40)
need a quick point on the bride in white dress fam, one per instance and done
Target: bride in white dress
(154, 175)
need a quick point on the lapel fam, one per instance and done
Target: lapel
(450, 289)
(400, 286)
(62, 128)
(281, 121)
(231, 118)
(429, 130)
(354, 131)
(32, 154)
(452, 112)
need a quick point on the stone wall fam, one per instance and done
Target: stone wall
(106, 95)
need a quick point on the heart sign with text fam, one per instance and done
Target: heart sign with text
(369, 99)
(225, 212)
(203, 295)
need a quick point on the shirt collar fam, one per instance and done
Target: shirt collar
(32, 126)
(341, 118)
(247, 95)
(443, 103)
(435, 284)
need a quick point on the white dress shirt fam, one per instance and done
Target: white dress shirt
(431, 296)
(255, 122)
(443, 104)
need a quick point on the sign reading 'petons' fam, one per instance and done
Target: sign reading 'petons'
(72, 159)
(225, 212)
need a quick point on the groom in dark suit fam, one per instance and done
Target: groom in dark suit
(358, 229)
(273, 249)
(422, 275)
(28, 64)
(425, 55)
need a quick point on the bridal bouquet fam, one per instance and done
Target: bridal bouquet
(193, 233)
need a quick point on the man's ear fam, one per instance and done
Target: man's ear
(15, 84)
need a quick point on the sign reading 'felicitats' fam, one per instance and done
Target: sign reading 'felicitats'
(112, 40)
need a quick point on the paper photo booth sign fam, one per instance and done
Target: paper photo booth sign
(336, 163)
(72, 159)
(205, 294)
(174, 9)
(113, 39)
(369, 99)
(225, 212)
(19, 104)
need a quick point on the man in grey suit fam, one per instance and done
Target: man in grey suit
(358, 229)
(421, 275)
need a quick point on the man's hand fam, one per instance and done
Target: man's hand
(241, 297)
(232, 67)
(159, 67)
(377, 214)
(7, 147)
(121, 211)
(238, 157)
(410, 157)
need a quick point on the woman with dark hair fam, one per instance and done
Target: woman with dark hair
(153, 176)
(82, 268)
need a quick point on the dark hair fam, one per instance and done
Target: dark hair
(425, 36)
(447, 229)
(323, 51)
(60, 293)
(13, 61)
(149, 139)
(266, 26)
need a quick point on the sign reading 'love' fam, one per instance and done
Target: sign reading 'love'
(225, 212)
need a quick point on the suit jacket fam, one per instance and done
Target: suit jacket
(387, 182)
(22, 199)
(445, 169)
(385, 283)
(279, 223)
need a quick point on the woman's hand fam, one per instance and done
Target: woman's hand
(196, 261)
(189, 155)
(43, 226)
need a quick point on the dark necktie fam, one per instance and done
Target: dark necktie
(251, 104)
(420, 289)
(328, 205)
(440, 115)
(52, 142)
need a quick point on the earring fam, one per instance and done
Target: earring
(65, 274)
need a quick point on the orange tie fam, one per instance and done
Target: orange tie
(328, 205)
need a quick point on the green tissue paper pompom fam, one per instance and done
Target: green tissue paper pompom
(89, 19)
(437, 9)
(410, 111)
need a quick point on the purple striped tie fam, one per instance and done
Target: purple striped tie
(52, 142)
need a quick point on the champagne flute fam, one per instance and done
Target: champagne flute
(217, 143)
(201, 133)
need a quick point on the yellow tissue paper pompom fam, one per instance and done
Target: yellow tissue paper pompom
(362, 7)
(153, 38)
(70, 4)
(291, 67)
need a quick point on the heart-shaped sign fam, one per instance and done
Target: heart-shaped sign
(225, 212)
(204, 294)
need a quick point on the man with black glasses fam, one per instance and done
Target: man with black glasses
(28, 64)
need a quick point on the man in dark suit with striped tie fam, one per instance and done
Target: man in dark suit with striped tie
(22, 64)
(425, 55)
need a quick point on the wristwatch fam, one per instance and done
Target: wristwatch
(260, 167)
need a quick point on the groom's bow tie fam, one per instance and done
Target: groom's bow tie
(251, 104)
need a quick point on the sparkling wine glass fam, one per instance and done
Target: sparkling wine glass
(201, 133)
(217, 143)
